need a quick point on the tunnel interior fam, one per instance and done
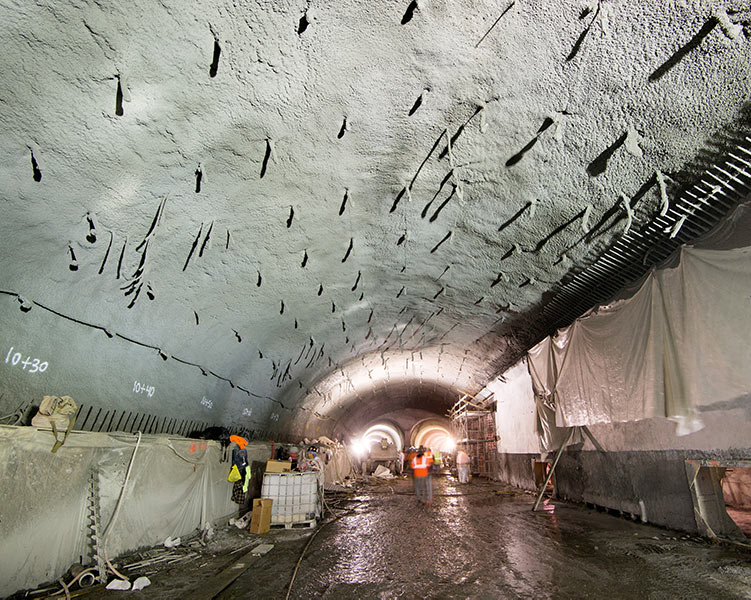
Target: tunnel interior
(343, 221)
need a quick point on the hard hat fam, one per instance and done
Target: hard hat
(242, 442)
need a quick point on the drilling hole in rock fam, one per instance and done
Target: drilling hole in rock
(349, 250)
(91, 236)
(73, 266)
(119, 99)
(206, 240)
(37, 174)
(215, 60)
(120, 260)
(199, 177)
(343, 129)
(410, 12)
(266, 158)
(415, 106)
(397, 199)
(545, 124)
(302, 24)
(291, 217)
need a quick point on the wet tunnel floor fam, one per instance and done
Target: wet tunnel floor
(482, 541)
(477, 541)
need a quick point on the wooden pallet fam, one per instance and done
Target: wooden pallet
(297, 525)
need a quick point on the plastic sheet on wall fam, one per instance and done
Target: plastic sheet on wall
(548, 357)
(339, 467)
(176, 486)
(680, 343)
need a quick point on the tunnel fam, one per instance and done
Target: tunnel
(260, 255)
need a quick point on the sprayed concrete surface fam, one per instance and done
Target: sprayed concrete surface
(266, 212)
(477, 541)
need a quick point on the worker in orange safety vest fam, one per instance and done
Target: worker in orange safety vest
(421, 477)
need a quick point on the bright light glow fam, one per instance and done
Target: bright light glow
(436, 437)
(359, 447)
(375, 432)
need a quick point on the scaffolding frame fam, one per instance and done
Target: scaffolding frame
(473, 425)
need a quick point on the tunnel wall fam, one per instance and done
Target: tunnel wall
(518, 445)
(642, 471)
(650, 485)
(175, 485)
(515, 411)
(117, 373)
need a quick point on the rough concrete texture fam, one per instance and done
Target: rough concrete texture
(517, 470)
(650, 485)
(309, 202)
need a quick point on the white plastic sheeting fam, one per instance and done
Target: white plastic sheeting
(681, 342)
(339, 468)
(176, 486)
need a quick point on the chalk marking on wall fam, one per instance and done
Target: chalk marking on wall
(140, 388)
(14, 359)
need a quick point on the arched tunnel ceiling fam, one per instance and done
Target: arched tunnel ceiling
(287, 195)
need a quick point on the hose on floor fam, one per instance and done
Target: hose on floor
(66, 586)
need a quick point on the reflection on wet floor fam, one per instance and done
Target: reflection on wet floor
(482, 541)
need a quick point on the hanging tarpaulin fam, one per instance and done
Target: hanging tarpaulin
(708, 333)
(681, 342)
(613, 366)
(176, 487)
(545, 359)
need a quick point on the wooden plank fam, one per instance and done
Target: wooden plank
(213, 586)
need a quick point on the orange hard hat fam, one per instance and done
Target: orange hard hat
(242, 442)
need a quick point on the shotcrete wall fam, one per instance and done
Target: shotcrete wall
(642, 470)
(120, 371)
(518, 444)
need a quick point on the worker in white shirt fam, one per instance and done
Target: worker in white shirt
(462, 465)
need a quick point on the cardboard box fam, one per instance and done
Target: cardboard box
(260, 520)
(278, 466)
